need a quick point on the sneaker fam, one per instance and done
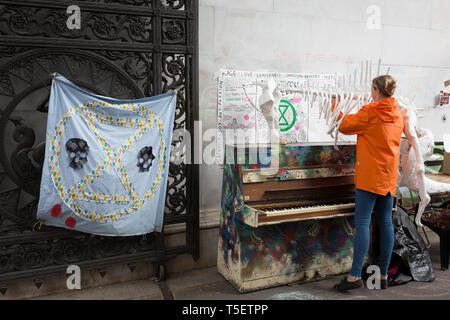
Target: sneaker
(384, 283)
(345, 285)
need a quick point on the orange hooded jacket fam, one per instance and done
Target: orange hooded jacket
(379, 127)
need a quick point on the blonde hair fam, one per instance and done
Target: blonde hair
(385, 84)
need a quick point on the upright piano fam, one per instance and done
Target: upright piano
(291, 223)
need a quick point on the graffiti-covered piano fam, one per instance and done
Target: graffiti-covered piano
(287, 222)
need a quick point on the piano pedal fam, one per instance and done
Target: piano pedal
(320, 274)
(309, 275)
(313, 229)
(347, 227)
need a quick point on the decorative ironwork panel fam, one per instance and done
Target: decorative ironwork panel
(125, 49)
(52, 23)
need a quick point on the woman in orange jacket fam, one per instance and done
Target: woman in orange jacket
(379, 127)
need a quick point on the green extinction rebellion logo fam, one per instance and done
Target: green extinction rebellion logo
(288, 115)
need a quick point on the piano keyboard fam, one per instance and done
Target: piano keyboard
(308, 209)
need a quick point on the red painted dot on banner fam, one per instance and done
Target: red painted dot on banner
(70, 222)
(56, 211)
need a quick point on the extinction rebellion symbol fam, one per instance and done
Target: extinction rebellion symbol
(287, 115)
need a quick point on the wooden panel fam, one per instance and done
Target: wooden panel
(445, 178)
(308, 189)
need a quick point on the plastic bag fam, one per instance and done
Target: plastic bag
(409, 245)
(410, 258)
(398, 272)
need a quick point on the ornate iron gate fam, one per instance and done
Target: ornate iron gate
(124, 49)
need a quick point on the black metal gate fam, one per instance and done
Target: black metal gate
(124, 49)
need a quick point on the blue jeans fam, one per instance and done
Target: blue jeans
(365, 203)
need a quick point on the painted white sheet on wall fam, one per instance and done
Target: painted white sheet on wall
(299, 122)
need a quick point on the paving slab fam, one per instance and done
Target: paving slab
(194, 280)
(130, 290)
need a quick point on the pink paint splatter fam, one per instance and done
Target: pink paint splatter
(246, 117)
(297, 128)
(296, 100)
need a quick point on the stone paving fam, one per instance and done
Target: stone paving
(208, 284)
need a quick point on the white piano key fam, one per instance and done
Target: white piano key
(308, 209)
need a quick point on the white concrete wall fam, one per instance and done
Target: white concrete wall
(323, 36)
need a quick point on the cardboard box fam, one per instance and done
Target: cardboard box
(446, 163)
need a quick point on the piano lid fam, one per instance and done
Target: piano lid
(290, 155)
